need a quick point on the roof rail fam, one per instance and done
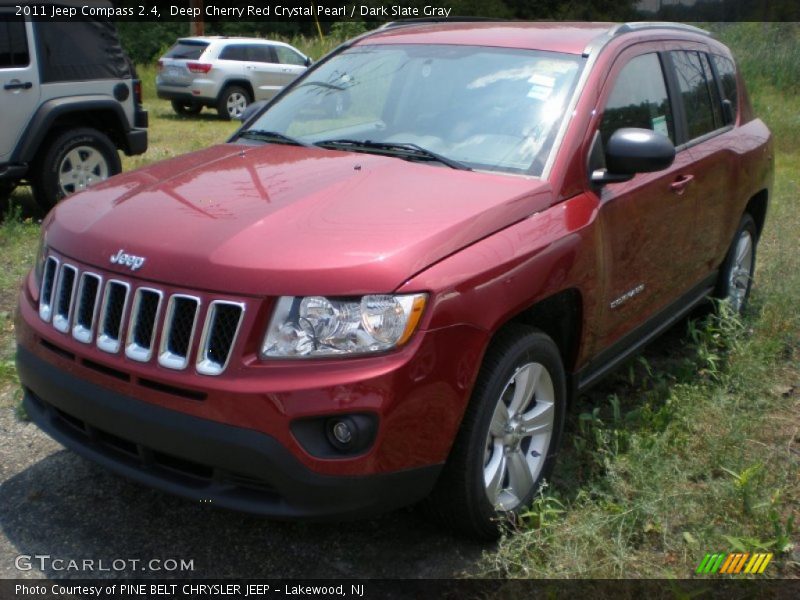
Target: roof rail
(623, 28)
(641, 25)
(424, 20)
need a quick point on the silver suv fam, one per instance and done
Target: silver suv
(226, 73)
(69, 101)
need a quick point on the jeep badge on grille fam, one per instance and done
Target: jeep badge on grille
(128, 260)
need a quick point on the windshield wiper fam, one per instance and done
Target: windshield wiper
(406, 150)
(262, 135)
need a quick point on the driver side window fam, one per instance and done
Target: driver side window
(639, 99)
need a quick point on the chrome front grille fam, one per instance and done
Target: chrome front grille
(221, 328)
(178, 333)
(97, 310)
(86, 309)
(142, 327)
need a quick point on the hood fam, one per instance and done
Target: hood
(287, 220)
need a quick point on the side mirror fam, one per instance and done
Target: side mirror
(630, 151)
(251, 110)
(308, 62)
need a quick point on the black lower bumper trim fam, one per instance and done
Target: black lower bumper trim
(203, 460)
(136, 142)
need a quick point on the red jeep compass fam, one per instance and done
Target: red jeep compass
(390, 282)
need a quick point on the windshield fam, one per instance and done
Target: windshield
(493, 109)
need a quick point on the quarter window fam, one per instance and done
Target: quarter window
(692, 73)
(13, 43)
(639, 99)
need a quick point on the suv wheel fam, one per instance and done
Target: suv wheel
(75, 160)
(232, 102)
(186, 108)
(736, 275)
(509, 435)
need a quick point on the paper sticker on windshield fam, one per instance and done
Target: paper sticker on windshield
(660, 125)
(542, 86)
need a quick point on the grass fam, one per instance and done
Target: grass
(692, 448)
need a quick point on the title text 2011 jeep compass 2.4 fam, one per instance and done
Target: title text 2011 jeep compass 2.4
(364, 301)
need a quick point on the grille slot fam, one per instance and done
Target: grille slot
(147, 321)
(219, 334)
(86, 308)
(48, 283)
(115, 302)
(142, 328)
(65, 297)
(178, 333)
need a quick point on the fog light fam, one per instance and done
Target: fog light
(342, 432)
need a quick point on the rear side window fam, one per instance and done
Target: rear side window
(287, 56)
(696, 92)
(726, 71)
(186, 49)
(639, 99)
(13, 43)
(234, 53)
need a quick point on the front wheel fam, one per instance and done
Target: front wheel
(232, 102)
(74, 161)
(736, 274)
(509, 436)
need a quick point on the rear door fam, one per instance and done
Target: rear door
(19, 80)
(710, 142)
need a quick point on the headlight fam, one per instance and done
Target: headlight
(317, 326)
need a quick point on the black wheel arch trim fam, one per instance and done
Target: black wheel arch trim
(47, 114)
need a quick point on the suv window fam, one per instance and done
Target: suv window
(726, 71)
(695, 84)
(237, 52)
(639, 99)
(287, 56)
(13, 43)
(262, 53)
(187, 49)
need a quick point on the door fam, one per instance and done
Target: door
(263, 71)
(711, 142)
(19, 80)
(647, 223)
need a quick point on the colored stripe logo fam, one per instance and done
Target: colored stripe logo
(733, 564)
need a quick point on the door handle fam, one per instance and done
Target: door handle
(18, 85)
(681, 183)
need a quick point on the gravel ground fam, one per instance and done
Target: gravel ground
(54, 503)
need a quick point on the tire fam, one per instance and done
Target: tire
(232, 102)
(55, 176)
(494, 469)
(736, 275)
(6, 187)
(186, 108)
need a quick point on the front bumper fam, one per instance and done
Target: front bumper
(199, 459)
